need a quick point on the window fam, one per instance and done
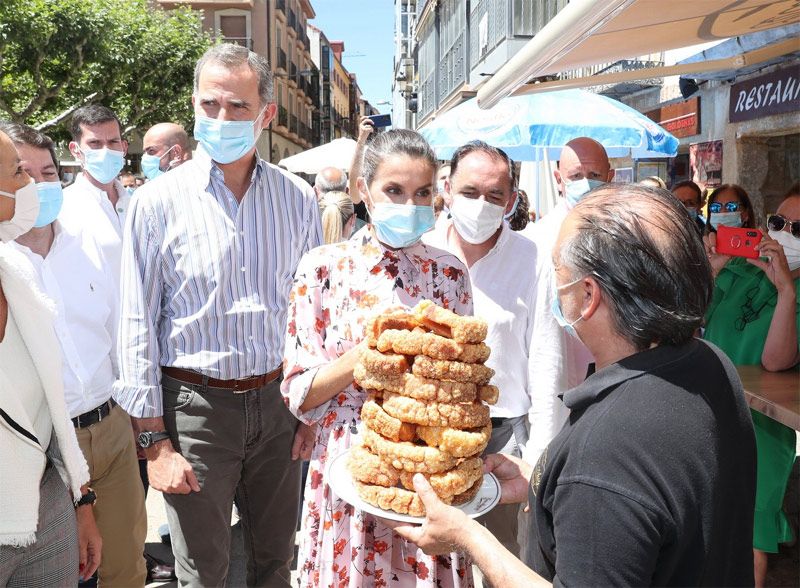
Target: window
(233, 26)
(488, 26)
(452, 47)
(530, 17)
(427, 67)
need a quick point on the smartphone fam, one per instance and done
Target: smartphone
(738, 242)
(381, 120)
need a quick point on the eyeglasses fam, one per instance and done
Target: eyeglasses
(776, 222)
(729, 207)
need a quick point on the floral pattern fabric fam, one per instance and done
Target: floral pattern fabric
(336, 288)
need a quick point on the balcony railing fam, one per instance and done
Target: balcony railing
(282, 59)
(293, 72)
(294, 124)
(292, 20)
(283, 117)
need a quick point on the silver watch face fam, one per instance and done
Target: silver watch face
(144, 439)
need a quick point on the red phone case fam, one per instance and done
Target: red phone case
(739, 242)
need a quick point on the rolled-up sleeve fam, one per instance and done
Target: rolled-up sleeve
(305, 351)
(138, 389)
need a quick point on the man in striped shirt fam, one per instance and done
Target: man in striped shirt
(209, 256)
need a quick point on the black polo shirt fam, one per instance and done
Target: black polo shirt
(652, 479)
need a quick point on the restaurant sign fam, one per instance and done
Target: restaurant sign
(681, 119)
(772, 93)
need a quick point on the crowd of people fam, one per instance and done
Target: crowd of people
(197, 334)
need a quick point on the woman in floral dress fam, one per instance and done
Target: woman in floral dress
(337, 287)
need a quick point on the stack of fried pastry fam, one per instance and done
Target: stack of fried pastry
(426, 411)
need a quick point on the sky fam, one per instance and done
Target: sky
(367, 29)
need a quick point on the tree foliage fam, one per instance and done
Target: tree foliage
(56, 55)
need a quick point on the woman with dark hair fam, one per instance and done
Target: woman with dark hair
(730, 205)
(754, 318)
(336, 288)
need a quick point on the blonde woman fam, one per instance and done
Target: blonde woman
(338, 216)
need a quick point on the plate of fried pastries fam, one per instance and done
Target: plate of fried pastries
(343, 485)
(426, 411)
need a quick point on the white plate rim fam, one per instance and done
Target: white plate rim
(345, 490)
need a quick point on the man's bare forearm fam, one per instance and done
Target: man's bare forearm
(498, 565)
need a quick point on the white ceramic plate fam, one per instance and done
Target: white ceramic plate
(341, 482)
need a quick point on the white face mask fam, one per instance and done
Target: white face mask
(475, 219)
(791, 247)
(26, 211)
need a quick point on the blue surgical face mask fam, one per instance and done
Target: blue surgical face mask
(103, 164)
(226, 141)
(400, 225)
(728, 219)
(51, 197)
(151, 164)
(559, 316)
(575, 190)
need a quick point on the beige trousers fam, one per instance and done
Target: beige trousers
(109, 450)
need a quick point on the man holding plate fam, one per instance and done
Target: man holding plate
(652, 478)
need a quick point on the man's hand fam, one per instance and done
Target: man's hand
(717, 260)
(513, 474)
(168, 470)
(89, 542)
(365, 129)
(304, 439)
(443, 524)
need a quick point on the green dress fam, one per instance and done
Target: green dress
(737, 321)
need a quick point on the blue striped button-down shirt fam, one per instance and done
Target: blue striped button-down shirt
(206, 279)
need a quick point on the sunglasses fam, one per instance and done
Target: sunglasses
(777, 222)
(729, 206)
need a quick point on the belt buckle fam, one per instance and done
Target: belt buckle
(237, 389)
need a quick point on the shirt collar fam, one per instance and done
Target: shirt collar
(98, 193)
(626, 369)
(209, 167)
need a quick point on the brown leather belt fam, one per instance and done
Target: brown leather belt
(191, 377)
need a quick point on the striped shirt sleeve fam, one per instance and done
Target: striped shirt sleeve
(138, 389)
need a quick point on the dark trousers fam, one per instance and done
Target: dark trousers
(239, 445)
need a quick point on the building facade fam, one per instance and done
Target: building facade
(404, 80)
(738, 126)
(275, 29)
(459, 44)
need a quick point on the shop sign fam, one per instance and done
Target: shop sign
(681, 119)
(772, 93)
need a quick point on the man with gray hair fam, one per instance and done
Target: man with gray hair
(206, 274)
(330, 179)
(651, 482)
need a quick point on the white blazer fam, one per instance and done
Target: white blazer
(22, 459)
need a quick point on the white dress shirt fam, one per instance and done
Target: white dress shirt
(76, 276)
(206, 278)
(527, 344)
(88, 207)
(544, 234)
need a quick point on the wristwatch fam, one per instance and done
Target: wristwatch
(149, 438)
(87, 499)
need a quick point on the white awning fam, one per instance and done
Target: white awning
(589, 32)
